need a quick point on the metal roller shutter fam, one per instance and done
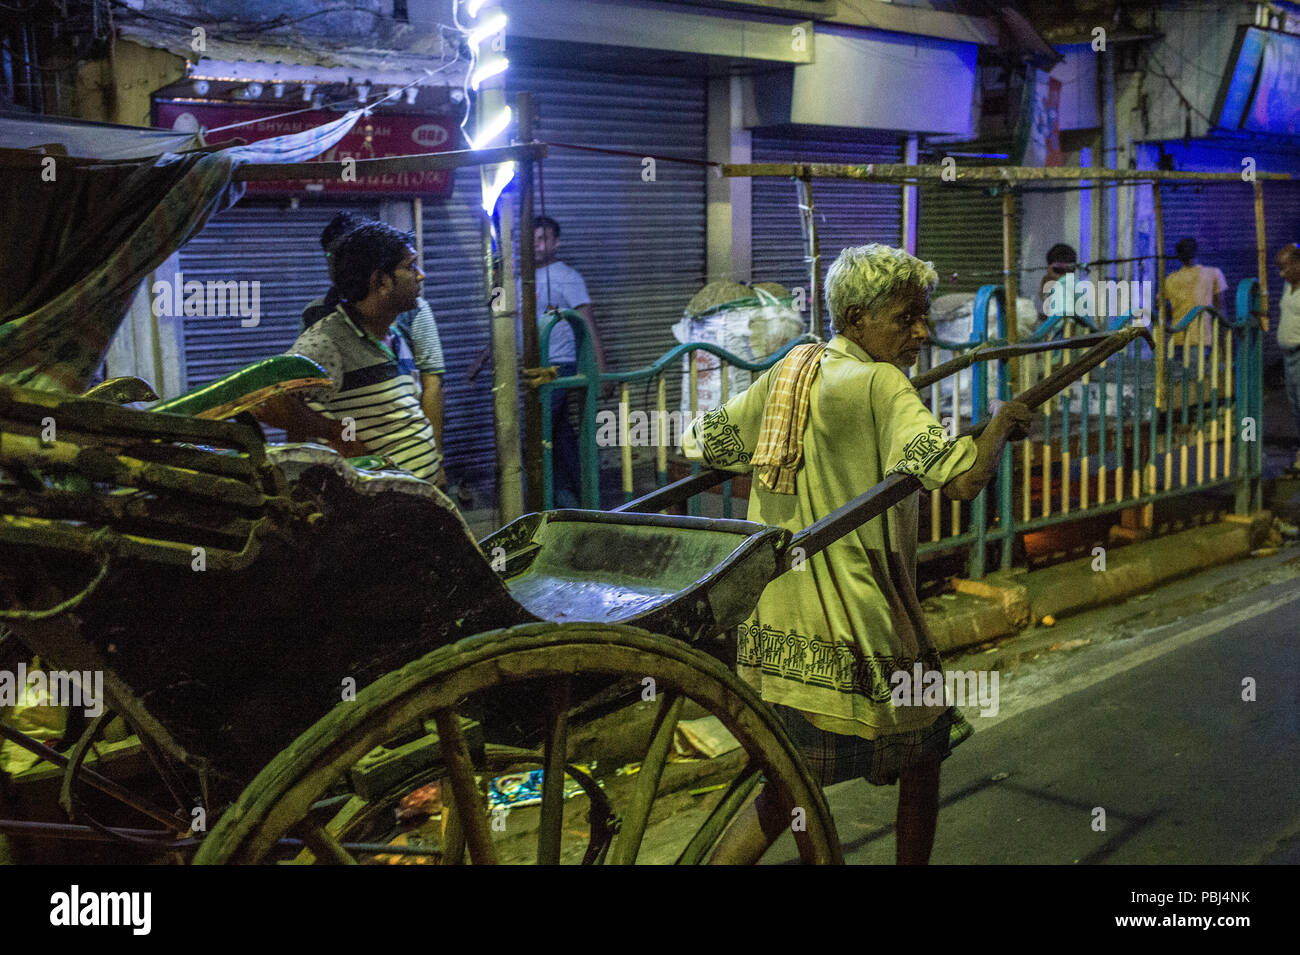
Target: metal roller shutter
(640, 246)
(1221, 218)
(847, 213)
(281, 247)
(269, 243)
(960, 230)
(454, 288)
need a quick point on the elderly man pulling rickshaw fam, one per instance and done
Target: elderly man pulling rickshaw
(825, 424)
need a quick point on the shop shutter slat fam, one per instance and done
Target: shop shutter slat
(960, 231)
(640, 246)
(454, 288)
(264, 242)
(847, 213)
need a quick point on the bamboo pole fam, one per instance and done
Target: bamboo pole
(624, 438)
(898, 172)
(1158, 307)
(505, 393)
(1009, 270)
(811, 255)
(1261, 247)
(387, 165)
(528, 311)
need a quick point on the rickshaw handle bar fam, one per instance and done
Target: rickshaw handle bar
(681, 491)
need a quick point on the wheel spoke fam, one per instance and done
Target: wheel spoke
(550, 826)
(453, 834)
(348, 806)
(647, 784)
(324, 846)
(711, 831)
(468, 805)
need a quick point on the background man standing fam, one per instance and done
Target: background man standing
(559, 287)
(1061, 261)
(1190, 286)
(1288, 333)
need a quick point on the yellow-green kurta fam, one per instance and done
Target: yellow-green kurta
(826, 638)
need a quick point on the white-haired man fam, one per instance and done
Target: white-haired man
(827, 423)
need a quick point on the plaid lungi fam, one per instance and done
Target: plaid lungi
(834, 758)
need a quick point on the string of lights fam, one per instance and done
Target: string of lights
(483, 24)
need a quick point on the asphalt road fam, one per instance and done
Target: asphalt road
(1145, 721)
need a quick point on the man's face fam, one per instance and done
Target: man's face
(545, 245)
(897, 332)
(402, 286)
(1289, 267)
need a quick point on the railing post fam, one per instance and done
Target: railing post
(988, 295)
(587, 449)
(1006, 471)
(811, 254)
(1257, 397)
(1158, 306)
(1245, 398)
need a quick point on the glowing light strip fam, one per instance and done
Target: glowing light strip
(482, 70)
(493, 67)
(490, 27)
(505, 172)
(491, 130)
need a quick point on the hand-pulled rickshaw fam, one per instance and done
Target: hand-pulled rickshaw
(300, 647)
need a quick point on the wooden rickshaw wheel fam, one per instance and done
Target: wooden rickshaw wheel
(279, 803)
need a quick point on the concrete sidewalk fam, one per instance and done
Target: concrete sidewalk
(1005, 603)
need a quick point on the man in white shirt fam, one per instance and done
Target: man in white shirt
(560, 286)
(1288, 333)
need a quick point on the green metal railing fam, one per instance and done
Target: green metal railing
(661, 422)
(1144, 426)
(1110, 442)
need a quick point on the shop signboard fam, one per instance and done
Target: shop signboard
(1262, 91)
(375, 136)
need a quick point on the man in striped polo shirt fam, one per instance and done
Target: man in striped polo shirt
(373, 406)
